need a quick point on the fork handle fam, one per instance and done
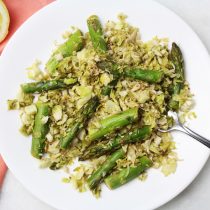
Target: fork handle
(196, 136)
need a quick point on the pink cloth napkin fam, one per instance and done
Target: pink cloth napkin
(19, 11)
(3, 169)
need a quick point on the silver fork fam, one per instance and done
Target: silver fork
(178, 126)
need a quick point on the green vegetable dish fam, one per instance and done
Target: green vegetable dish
(99, 102)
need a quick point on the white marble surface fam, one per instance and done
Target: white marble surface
(14, 196)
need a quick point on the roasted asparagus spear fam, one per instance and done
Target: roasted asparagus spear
(41, 128)
(114, 122)
(176, 58)
(80, 122)
(96, 33)
(38, 87)
(74, 43)
(151, 76)
(126, 175)
(137, 135)
(178, 61)
(106, 168)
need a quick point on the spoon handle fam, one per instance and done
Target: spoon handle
(196, 136)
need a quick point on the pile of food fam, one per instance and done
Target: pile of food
(101, 99)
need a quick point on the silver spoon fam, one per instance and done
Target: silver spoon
(180, 127)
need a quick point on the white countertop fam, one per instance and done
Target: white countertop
(14, 196)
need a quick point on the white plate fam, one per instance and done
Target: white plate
(35, 40)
